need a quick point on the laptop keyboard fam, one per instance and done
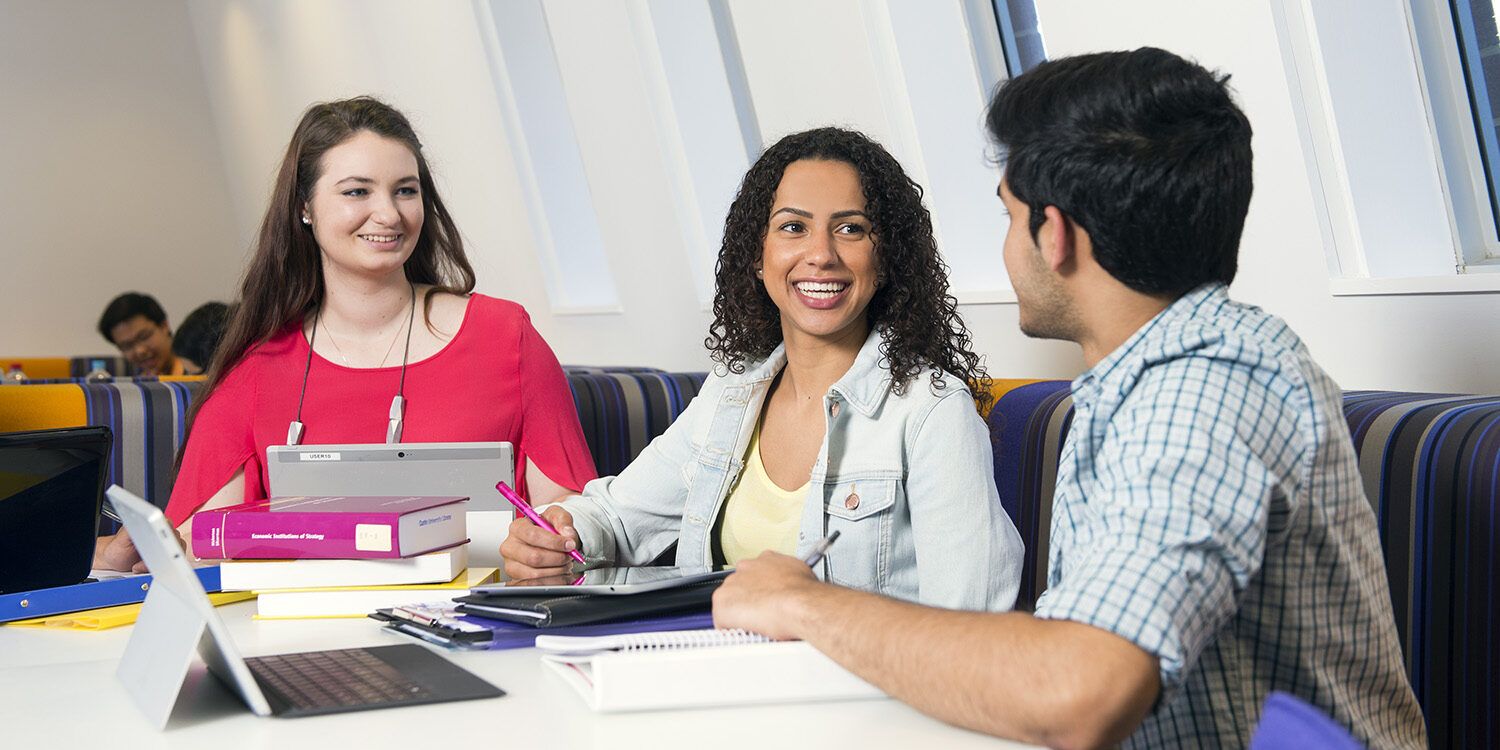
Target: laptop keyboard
(326, 681)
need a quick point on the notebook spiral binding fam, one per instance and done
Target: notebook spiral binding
(688, 639)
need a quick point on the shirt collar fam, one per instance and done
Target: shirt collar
(1087, 385)
(864, 386)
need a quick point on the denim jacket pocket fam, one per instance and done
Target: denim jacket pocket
(861, 511)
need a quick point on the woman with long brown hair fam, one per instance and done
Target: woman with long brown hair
(359, 291)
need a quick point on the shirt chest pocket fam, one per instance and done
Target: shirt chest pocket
(862, 511)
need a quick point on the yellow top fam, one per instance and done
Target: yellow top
(759, 515)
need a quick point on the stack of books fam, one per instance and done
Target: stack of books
(335, 556)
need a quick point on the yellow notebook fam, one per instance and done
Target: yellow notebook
(112, 617)
(359, 601)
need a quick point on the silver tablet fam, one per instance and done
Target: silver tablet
(176, 619)
(467, 469)
(604, 581)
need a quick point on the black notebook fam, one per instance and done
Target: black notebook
(581, 609)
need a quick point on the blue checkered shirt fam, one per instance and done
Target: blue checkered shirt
(1209, 510)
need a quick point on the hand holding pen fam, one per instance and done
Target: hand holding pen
(815, 555)
(538, 544)
(766, 594)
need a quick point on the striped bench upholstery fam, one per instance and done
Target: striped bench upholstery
(597, 369)
(146, 415)
(623, 409)
(1431, 467)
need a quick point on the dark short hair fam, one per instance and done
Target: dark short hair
(1145, 150)
(127, 306)
(912, 307)
(198, 335)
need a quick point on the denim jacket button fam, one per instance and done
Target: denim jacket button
(852, 501)
(834, 409)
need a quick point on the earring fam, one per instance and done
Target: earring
(306, 220)
(760, 273)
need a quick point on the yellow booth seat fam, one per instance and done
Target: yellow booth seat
(999, 387)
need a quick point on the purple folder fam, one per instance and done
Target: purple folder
(515, 635)
(505, 635)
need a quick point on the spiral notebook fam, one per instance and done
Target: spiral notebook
(697, 669)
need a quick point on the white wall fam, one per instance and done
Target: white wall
(110, 176)
(1435, 342)
(263, 62)
(266, 61)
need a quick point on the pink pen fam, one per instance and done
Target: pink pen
(529, 512)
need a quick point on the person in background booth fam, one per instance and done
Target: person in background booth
(840, 402)
(199, 335)
(1210, 537)
(138, 327)
(359, 290)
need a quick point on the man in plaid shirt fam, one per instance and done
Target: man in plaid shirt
(1210, 538)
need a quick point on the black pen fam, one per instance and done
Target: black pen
(820, 549)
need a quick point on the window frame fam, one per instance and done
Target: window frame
(1474, 199)
(1390, 164)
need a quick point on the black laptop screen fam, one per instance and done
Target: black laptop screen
(51, 485)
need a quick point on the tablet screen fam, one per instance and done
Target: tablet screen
(611, 580)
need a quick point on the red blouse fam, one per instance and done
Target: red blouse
(496, 380)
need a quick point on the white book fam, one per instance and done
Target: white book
(254, 575)
(359, 601)
(697, 668)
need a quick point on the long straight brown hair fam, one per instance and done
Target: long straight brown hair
(284, 282)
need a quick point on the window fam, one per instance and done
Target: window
(1478, 44)
(539, 125)
(1020, 34)
(1382, 99)
(704, 118)
(723, 79)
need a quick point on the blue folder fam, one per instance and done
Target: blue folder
(25, 605)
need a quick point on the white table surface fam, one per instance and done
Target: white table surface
(57, 689)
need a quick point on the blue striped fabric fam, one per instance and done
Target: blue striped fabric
(1026, 433)
(600, 369)
(148, 419)
(80, 379)
(622, 411)
(1431, 467)
(1430, 464)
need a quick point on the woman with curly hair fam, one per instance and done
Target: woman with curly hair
(839, 403)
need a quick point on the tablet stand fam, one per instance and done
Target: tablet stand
(160, 653)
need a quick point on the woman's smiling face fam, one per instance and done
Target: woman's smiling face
(366, 207)
(818, 260)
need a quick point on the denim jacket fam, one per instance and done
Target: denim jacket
(906, 479)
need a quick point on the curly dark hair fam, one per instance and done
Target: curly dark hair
(912, 307)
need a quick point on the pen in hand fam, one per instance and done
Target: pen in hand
(820, 549)
(536, 518)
